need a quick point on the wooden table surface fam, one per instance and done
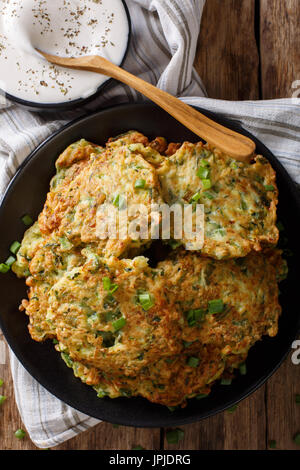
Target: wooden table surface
(247, 50)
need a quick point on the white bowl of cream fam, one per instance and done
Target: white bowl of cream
(68, 28)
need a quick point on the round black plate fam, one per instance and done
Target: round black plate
(68, 105)
(26, 195)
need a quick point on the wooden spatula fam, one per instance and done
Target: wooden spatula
(230, 142)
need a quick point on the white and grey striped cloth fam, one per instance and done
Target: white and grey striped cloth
(162, 51)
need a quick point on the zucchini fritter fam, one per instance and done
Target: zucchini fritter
(239, 198)
(210, 314)
(168, 332)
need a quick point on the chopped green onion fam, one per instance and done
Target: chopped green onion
(14, 247)
(55, 341)
(1, 382)
(202, 172)
(298, 399)
(232, 409)
(101, 394)
(65, 244)
(174, 436)
(67, 359)
(119, 201)
(208, 195)
(233, 165)
(272, 444)
(204, 162)
(20, 433)
(140, 184)
(114, 287)
(4, 268)
(226, 381)
(269, 187)
(119, 323)
(196, 197)
(2, 399)
(206, 183)
(244, 206)
(297, 439)
(193, 361)
(243, 369)
(187, 344)
(106, 283)
(27, 220)
(215, 306)
(146, 301)
(193, 316)
(10, 261)
(200, 396)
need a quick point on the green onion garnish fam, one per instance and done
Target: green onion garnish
(243, 369)
(119, 201)
(193, 361)
(174, 436)
(272, 444)
(215, 306)
(65, 243)
(187, 344)
(233, 165)
(206, 183)
(232, 409)
(27, 220)
(201, 395)
(146, 301)
(20, 433)
(10, 261)
(204, 162)
(297, 439)
(2, 399)
(14, 247)
(269, 187)
(208, 195)
(4, 268)
(107, 285)
(196, 197)
(119, 323)
(226, 381)
(140, 184)
(202, 172)
(193, 316)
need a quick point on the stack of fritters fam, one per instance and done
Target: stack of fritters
(166, 332)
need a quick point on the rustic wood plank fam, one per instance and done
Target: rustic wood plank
(220, 432)
(227, 56)
(106, 437)
(10, 419)
(280, 47)
(280, 67)
(283, 414)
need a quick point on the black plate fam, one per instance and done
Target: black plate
(68, 105)
(26, 195)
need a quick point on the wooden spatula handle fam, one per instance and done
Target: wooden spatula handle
(230, 142)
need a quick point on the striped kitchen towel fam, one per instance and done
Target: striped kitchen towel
(162, 51)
